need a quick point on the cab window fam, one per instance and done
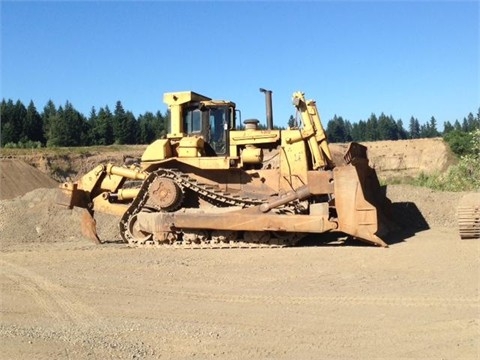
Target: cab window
(192, 121)
(218, 125)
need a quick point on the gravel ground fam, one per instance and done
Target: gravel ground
(418, 299)
(63, 297)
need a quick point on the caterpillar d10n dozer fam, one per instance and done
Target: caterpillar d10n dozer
(210, 184)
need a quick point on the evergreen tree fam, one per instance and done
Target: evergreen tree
(56, 130)
(432, 128)
(359, 130)
(371, 129)
(33, 125)
(146, 125)
(387, 128)
(49, 111)
(457, 125)
(102, 128)
(424, 131)
(75, 125)
(348, 130)
(336, 130)
(414, 128)
(20, 113)
(86, 135)
(67, 127)
(133, 131)
(447, 127)
(402, 133)
(8, 126)
(15, 116)
(471, 123)
(121, 127)
(92, 120)
(291, 122)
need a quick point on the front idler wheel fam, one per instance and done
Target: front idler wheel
(134, 234)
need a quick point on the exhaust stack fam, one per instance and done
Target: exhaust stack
(268, 104)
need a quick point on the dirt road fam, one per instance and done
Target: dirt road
(74, 300)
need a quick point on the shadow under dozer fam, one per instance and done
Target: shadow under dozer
(408, 220)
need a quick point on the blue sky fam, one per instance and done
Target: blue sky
(402, 58)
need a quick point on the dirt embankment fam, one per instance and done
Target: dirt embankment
(404, 158)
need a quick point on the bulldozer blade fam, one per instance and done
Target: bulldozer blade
(70, 194)
(64, 196)
(89, 226)
(363, 210)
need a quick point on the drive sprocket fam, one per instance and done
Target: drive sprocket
(164, 194)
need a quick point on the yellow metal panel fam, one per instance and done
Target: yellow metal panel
(186, 152)
(101, 204)
(191, 146)
(212, 163)
(313, 130)
(158, 150)
(182, 97)
(293, 163)
(252, 155)
(254, 137)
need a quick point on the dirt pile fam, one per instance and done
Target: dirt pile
(17, 178)
(35, 218)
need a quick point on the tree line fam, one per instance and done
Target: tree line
(65, 126)
(387, 128)
(458, 135)
(24, 126)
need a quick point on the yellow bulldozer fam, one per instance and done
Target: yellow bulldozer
(214, 183)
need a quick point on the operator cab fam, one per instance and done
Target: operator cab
(211, 120)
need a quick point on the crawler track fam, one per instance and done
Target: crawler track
(469, 217)
(200, 239)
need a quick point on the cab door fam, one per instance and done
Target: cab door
(218, 130)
